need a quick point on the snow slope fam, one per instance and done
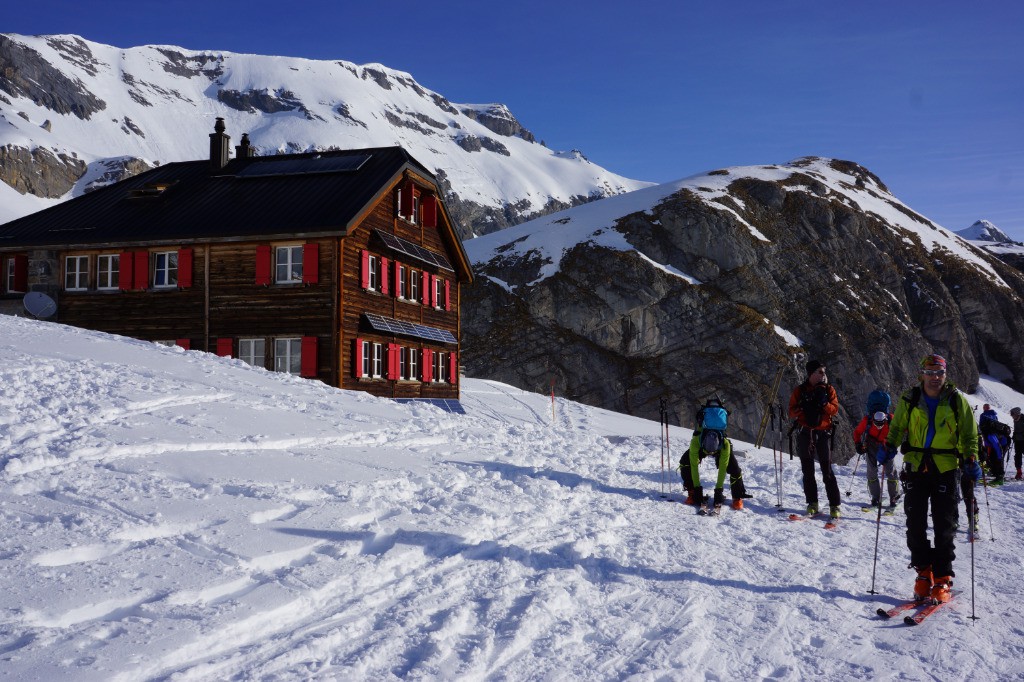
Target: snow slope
(167, 514)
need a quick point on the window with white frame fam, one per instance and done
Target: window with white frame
(107, 271)
(439, 366)
(402, 286)
(403, 364)
(377, 365)
(414, 285)
(253, 352)
(169, 343)
(415, 217)
(414, 364)
(165, 269)
(76, 273)
(288, 356)
(9, 274)
(373, 275)
(438, 293)
(289, 264)
(367, 360)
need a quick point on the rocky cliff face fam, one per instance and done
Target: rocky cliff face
(721, 280)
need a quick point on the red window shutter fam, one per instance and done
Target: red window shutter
(425, 288)
(453, 368)
(308, 365)
(263, 265)
(21, 272)
(447, 295)
(310, 263)
(226, 347)
(428, 209)
(183, 343)
(184, 268)
(398, 278)
(140, 279)
(405, 209)
(393, 362)
(125, 276)
(357, 359)
(428, 365)
(383, 275)
(364, 270)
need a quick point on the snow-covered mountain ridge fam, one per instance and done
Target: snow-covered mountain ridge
(75, 114)
(169, 514)
(713, 283)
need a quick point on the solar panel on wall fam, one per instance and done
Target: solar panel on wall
(387, 325)
(415, 250)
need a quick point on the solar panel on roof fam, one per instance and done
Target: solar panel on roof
(316, 164)
(446, 404)
(387, 325)
(415, 250)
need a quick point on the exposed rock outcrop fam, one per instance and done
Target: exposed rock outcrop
(39, 171)
(24, 73)
(714, 289)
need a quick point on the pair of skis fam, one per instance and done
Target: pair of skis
(925, 608)
(831, 524)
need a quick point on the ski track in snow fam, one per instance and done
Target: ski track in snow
(172, 515)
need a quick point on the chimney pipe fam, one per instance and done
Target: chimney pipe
(244, 150)
(220, 147)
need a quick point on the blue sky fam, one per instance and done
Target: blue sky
(927, 95)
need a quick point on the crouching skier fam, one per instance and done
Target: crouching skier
(709, 440)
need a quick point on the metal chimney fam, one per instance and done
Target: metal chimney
(244, 150)
(220, 146)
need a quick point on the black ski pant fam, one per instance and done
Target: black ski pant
(1018, 450)
(940, 491)
(967, 495)
(811, 446)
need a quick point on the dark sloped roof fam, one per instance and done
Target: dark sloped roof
(295, 194)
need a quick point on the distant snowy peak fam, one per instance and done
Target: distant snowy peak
(69, 108)
(984, 231)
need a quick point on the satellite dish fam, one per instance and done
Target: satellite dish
(39, 305)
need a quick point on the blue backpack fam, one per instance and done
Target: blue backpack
(713, 420)
(878, 401)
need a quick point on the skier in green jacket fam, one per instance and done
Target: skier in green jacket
(934, 426)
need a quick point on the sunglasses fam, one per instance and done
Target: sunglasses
(933, 372)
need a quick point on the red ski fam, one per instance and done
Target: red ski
(928, 610)
(899, 608)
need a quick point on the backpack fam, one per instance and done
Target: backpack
(990, 425)
(812, 401)
(878, 401)
(713, 420)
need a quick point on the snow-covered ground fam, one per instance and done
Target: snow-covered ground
(172, 515)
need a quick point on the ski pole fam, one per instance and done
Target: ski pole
(778, 441)
(854, 475)
(970, 533)
(878, 528)
(988, 508)
(661, 428)
(668, 448)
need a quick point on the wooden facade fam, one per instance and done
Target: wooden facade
(261, 275)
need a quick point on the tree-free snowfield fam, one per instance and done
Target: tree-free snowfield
(172, 515)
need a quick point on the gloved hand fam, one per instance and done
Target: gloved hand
(859, 447)
(698, 496)
(885, 453)
(719, 496)
(972, 470)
